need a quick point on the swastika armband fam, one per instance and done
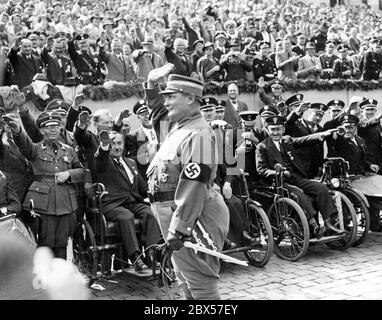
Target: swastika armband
(197, 172)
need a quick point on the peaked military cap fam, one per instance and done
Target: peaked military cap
(336, 104)
(275, 120)
(208, 102)
(342, 48)
(220, 106)
(368, 103)
(248, 115)
(277, 84)
(140, 107)
(177, 83)
(59, 106)
(267, 111)
(319, 106)
(83, 108)
(296, 99)
(60, 34)
(48, 118)
(349, 118)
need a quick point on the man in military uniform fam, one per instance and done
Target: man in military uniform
(275, 97)
(277, 149)
(9, 201)
(343, 68)
(327, 60)
(87, 64)
(371, 132)
(263, 66)
(208, 108)
(220, 110)
(353, 149)
(181, 190)
(334, 107)
(371, 63)
(56, 167)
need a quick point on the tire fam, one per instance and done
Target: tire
(261, 228)
(350, 225)
(290, 229)
(362, 213)
(168, 277)
(84, 257)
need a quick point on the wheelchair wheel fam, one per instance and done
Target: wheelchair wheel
(290, 229)
(261, 228)
(362, 213)
(349, 224)
(169, 281)
(84, 255)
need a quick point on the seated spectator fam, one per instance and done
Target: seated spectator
(309, 66)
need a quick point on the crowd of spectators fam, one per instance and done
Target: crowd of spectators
(90, 42)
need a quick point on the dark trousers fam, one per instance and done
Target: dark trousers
(124, 215)
(238, 221)
(319, 192)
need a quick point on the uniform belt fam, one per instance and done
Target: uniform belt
(86, 73)
(161, 196)
(44, 177)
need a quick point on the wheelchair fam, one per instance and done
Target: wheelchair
(290, 226)
(97, 242)
(259, 253)
(335, 176)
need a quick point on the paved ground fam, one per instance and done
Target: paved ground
(323, 273)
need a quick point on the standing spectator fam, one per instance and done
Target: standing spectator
(287, 62)
(327, 61)
(262, 65)
(87, 64)
(146, 59)
(63, 25)
(3, 62)
(197, 54)
(309, 66)
(208, 66)
(371, 64)
(94, 28)
(353, 41)
(358, 58)
(220, 48)
(299, 48)
(320, 38)
(182, 62)
(343, 68)
(266, 36)
(174, 31)
(25, 64)
(278, 48)
(58, 66)
(235, 63)
(118, 66)
(233, 106)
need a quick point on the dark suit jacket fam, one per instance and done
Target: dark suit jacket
(8, 195)
(24, 69)
(57, 68)
(311, 157)
(231, 115)
(182, 67)
(135, 148)
(267, 155)
(117, 182)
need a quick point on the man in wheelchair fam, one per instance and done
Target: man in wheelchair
(125, 201)
(279, 149)
(348, 145)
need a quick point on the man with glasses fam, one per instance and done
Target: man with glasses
(56, 168)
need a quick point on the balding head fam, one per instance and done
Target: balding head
(233, 91)
(116, 46)
(26, 46)
(103, 120)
